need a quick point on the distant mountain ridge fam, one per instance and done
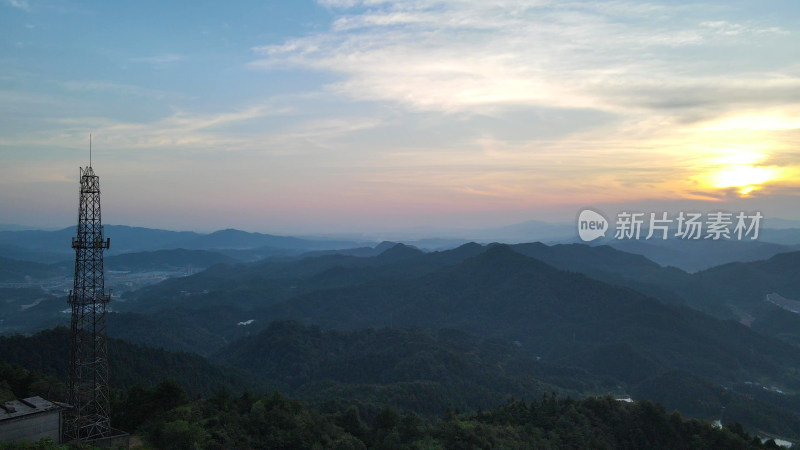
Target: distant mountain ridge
(239, 240)
(54, 246)
(166, 260)
(332, 269)
(125, 239)
(700, 254)
(12, 270)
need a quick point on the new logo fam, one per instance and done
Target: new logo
(591, 225)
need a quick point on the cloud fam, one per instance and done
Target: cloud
(181, 131)
(246, 129)
(20, 4)
(477, 56)
(685, 83)
(734, 29)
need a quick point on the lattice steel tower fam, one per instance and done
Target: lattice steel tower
(88, 362)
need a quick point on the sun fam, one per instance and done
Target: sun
(747, 178)
(745, 172)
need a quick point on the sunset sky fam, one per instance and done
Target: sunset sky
(345, 115)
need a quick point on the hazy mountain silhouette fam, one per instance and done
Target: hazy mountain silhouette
(166, 260)
(125, 239)
(694, 255)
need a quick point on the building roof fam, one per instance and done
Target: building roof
(32, 405)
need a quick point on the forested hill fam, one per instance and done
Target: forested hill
(618, 336)
(164, 417)
(378, 387)
(420, 370)
(274, 422)
(47, 352)
(559, 316)
(427, 371)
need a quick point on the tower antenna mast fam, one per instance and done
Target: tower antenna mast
(88, 365)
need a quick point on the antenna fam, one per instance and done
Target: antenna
(88, 390)
(90, 149)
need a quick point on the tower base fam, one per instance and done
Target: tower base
(119, 439)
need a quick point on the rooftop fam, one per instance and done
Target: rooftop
(24, 407)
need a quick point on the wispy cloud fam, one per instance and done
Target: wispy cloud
(192, 133)
(735, 29)
(473, 55)
(179, 131)
(20, 4)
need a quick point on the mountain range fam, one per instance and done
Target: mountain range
(476, 323)
(54, 246)
(690, 255)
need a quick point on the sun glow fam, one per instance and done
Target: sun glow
(747, 178)
(756, 122)
(742, 171)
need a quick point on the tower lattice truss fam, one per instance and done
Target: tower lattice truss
(88, 364)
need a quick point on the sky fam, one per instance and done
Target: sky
(355, 116)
